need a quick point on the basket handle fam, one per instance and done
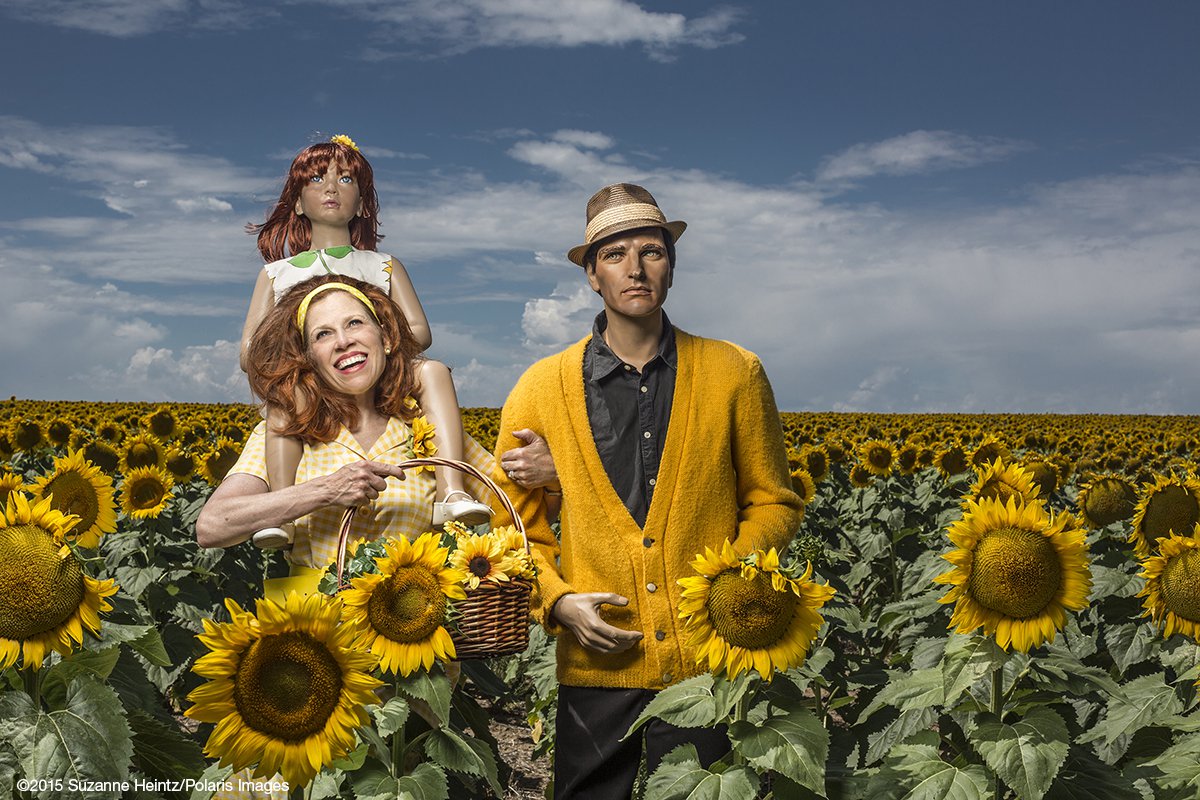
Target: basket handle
(432, 461)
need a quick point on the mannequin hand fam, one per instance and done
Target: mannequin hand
(357, 484)
(530, 465)
(580, 611)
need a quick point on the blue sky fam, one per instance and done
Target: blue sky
(919, 206)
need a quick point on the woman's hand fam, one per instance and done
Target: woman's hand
(580, 611)
(530, 465)
(357, 484)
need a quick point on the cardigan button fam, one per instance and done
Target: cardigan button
(660, 635)
(668, 677)
(651, 587)
(647, 542)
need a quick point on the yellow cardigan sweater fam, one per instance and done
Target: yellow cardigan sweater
(724, 474)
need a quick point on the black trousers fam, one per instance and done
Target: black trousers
(590, 760)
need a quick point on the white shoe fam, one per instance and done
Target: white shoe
(469, 512)
(272, 539)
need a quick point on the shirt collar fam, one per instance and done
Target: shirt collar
(605, 361)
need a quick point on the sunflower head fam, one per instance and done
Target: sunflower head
(1172, 589)
(146, 492)
(286, 687)
(877, 456)
(989, 450)
(161, 423)
(142, 450)
(999, 481)
(80, 488)
(59, 431)
(481, 558)
(9, 482)
(1170, 505)
(103, 455)
(26, 434)
(401, 611)
(803, 485)
(952, 460)
(749, 614)
(906, 458)
(1043, 473)
(815, 459)
(860, 476)
(46, 599)
(215, 465)
(422, 440)
(180, 464)
(1105, 500)
(1017, 571)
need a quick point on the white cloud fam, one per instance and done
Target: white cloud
(202, 204)
(453, 26)
(550, 323)
(592, 140)
(918, 151)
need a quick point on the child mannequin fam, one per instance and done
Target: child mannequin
(327, 218)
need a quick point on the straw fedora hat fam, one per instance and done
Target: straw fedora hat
(618, 208)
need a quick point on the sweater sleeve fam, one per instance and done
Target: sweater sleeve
(769, 511)
(521, 411)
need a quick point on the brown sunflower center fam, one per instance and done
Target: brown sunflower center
(287, 685)
(953, 461)
(102, 456)
(749, 613)
(997, 488)
(879, 457)
(408, 606)
(38, 590)
(480, 566)
(1109, 500)
(1171, 508)
(74, 494)
(146, 493)
(1180, 585)
(140, 455)
(1015, 572)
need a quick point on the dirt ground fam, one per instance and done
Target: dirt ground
(530, 775)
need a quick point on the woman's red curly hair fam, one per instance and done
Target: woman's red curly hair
(283, 375)
(286, 232)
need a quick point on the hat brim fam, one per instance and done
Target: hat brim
(675, 229)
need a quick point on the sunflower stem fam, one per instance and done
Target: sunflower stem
(998, 710)
(33, 686)
(398, 740)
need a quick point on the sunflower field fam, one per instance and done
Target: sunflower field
(975, 606)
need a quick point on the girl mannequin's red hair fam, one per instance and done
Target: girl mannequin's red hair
(287, 233)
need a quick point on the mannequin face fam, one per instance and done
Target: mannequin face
(332, 198)
(632, 274)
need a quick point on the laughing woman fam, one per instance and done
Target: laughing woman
(337, 355)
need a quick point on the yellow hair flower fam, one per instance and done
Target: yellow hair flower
(344, 141)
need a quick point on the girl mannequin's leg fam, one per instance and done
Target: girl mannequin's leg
(283, 456)
(439, 401)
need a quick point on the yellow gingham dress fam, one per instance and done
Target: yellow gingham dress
(403, 508)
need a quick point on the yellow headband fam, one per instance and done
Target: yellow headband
(302, 311)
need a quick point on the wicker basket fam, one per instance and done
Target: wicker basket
(493, 620)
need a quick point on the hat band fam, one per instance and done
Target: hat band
(622, 213)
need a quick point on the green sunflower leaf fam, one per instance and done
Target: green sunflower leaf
(680, 777)
(426, 782)
(87, 739)
(899, 729)
(450, 750)
(968, 659)
(491, 771)
(339, 252)
(162, 751)
(434, 689)
(922, 688)
(916, 771)
(1180, 765)
(1141, 702)
(1026, 755)
(99, 663)
(1130, 644)
(303, 260)
(374, 784)
(687, 704)
(391, 716)
(793, 744)
(1085, 777)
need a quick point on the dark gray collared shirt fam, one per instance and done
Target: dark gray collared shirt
(629, 412)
